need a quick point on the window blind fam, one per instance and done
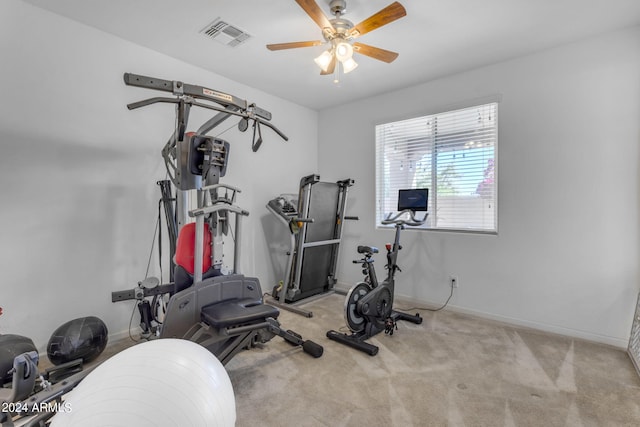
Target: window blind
(454, 154)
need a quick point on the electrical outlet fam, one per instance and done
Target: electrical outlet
(453, 281)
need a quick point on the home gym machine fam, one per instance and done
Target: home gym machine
(314, 223)
(223, 313)
(368, 308)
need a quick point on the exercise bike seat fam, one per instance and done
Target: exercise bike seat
(237, 312)
(367, 250)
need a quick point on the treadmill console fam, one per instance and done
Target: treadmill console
(284, 206)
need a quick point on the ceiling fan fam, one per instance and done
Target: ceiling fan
(339, 34)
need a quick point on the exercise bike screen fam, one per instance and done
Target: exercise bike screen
(415, 199)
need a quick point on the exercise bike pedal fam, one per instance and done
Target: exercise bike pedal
(390, 325)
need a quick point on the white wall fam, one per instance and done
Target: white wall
(79, 171)
(79, 199)
(566, 255)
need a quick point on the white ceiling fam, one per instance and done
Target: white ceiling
(436, 38)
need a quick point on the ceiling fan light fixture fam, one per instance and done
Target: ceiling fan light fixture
(344, 51)
(339, 34)
(349, 65)
(324, 60)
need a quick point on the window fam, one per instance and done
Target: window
(454, 155)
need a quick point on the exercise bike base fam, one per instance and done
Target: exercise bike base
(398, 315)
(353, 341)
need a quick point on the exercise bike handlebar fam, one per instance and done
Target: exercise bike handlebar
(399, 218)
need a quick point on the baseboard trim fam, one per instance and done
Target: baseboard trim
(621, 343)
(113, 338)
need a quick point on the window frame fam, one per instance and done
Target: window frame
(378, 166)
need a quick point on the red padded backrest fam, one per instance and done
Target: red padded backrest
(186, 246)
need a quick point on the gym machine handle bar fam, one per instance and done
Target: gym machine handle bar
(398, 220)
(232, 105)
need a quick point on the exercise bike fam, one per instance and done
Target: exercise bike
(368, 307)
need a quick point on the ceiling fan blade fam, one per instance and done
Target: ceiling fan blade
(315, 13)
(293, 45)
(387, 15)
(375, 52)
(331, 68)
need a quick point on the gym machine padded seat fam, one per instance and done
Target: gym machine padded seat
(237, 312)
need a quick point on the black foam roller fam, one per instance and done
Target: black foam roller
(312, 348)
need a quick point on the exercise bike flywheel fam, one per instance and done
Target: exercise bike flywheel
(354, 320)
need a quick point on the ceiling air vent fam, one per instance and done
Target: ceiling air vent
(225, 33)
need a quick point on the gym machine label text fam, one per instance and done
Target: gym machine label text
(213, 93)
